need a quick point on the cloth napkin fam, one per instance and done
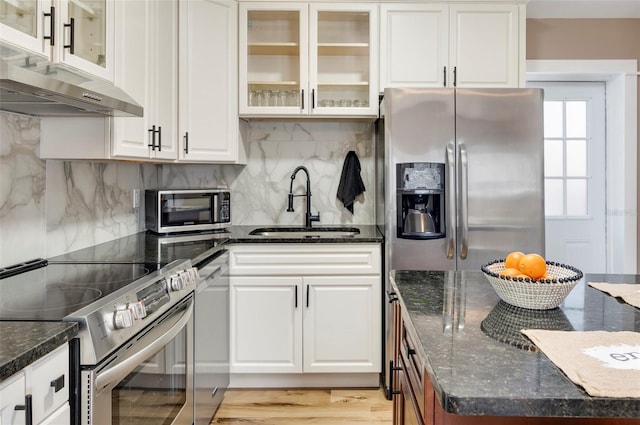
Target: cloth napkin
(351, 184)
(605, 364)
(629, 292)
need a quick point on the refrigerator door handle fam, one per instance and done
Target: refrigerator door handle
(450, 160)
(463, 198)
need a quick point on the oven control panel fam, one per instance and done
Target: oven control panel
(124, 313)
(151, 298)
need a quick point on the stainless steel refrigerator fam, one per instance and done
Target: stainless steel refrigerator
(461, 172)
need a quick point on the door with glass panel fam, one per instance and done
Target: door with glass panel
(86, 36)
(28, 24)
(273, 58)
(574, 167)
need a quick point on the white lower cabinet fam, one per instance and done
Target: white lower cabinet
(47, 382)
(266, 324)
(341, 319)
(305, 309)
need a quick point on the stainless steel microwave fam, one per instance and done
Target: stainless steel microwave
(187, 210)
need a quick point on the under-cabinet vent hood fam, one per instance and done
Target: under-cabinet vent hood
(32, 85)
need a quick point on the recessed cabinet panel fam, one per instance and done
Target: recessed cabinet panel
(342, 324)
(208, 80)
(485, 45)
(266, 324)
(414, 45)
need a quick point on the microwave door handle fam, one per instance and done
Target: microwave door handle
(119, 371)
(464, 201)
(450, 201)
(214, 213)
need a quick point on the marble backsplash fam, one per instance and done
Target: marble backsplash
(52, 207)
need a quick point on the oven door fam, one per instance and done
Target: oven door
(149, 379)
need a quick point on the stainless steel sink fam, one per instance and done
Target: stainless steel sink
(305, 232)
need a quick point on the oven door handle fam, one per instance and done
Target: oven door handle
(167, 330)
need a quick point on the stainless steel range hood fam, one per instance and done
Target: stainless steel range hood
(32, 85)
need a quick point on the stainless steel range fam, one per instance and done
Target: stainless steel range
(133, 360)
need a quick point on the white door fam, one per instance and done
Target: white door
(208, 81)
(575, 191)
(414, 45)
(266, 325)
(484, 45)
(342, 324)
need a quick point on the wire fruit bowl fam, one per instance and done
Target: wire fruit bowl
(535, 294)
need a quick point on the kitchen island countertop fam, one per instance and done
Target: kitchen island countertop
(480, 364)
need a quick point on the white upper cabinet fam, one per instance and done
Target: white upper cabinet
(86, 36)
(79, 33)
(208, 120)
(414, 45)
(147, 40)
(452, 45)
(178, 59)
(28, 24)
(486, 45)
(301, 59)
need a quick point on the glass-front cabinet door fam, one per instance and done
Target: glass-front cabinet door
(301, 59)
(343, 59)
(28, 24)
(273, 58)
(86, 36)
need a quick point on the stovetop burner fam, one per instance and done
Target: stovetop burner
(57, 290)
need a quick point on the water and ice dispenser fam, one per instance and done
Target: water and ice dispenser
(420, 200)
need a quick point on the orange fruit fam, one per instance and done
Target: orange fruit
(509, 272)
(533, 265)
(513, 260)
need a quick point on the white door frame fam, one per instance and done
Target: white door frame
(620, 77)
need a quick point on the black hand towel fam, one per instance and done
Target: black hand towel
(351, 184)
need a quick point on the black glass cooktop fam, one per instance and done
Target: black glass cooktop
(57, 290)
(147, 248)
(78, 278)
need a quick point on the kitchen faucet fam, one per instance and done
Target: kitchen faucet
(308, 218)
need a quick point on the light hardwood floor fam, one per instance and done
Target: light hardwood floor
(308, 406)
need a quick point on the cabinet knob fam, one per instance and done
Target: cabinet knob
(58, 383)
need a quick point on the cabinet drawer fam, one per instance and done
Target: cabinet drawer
(305, 259)
(414, 366)
(47, 373)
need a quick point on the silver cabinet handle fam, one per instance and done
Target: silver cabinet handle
(450, 200)
(463, 201)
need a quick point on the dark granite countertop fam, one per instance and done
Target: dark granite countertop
(22, 343)
(477, 360)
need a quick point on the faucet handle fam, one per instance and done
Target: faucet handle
(313, 218)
